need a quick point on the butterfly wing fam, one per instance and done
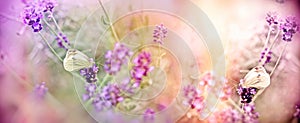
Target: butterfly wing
(76, 60)
(257, 77)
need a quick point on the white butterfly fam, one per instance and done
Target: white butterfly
(76, 60)
(258, 78)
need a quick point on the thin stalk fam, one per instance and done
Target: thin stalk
(268, 38)
(45, 40)
(110, 23)
(269, 49)
(277, 62)
(275, 39)
(52, 30)
(53, 19)
(103, 80)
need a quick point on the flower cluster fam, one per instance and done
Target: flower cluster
(272, 18)
(90, 73)
(250, 115)
(230, 115)
(33, 13)
(289, 28)
(116, 58)
(297, 113)
(207, 80)
(110, 95)
(40, 90)
(193, 97)
(159, 33)
(141, 68)
(267, 54)
(90, 89)
(64, 40)
(246, 94)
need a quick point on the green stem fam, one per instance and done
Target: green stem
(45, 40)
(110, 23)
(104, 80)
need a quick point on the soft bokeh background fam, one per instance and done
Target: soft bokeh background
(25, 61)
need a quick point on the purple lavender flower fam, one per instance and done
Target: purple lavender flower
(297, 113)
(189, 92)
(99, 103)
(227, 90)
(272, 18)
(289, 28)
(36, 27)
(33, 13)
(47, 5)
(149, 114)
(90, 73)
(90, 89)
(109, 96)
(268, 56)
(193, 98)
(60, 42)
(159, 33)
(126, 86)
(247, 94)
(250, 116)
(230, 115)
(40, 90)
(141, 68)
(116, 58)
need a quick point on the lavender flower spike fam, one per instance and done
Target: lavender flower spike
(116, 58)
(159, 33)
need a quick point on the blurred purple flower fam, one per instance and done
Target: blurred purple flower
(109, 96)
(90, 73)
(90, 89)
(189, 92)
(289, 28)
(297, 113)
(250, 116)
(149, 114)
(159, 33)
(227, 90)
(230, 115)
(126, 86)
(116, 58)
(193, 97)
(40, 90)
(141, 68)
